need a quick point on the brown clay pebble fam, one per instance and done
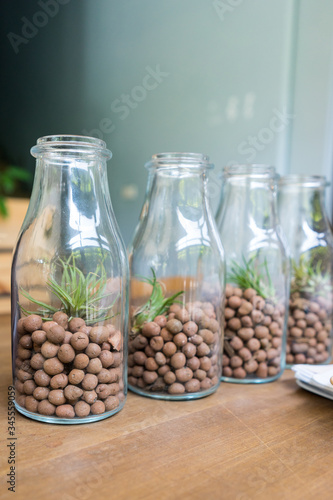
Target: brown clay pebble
(29, 386)
(190, 328)
(169, 378)
(23, 376)
(53, 366)
(203, 350)
(46, 408)
(41, 393)
(66, 353)
(207, 336)
(89, 382)
(75, 324)
(59, 381)
(82, 409)
(61, 318)
(81, 361)
(178, 360)
(151, 329)
(104, 376)
(174, 326)
(94, 366)
(38, 337)
(234, 302)
(192, 385)
(193, 363)
(169, 349)
(23, 353)
(111, 403)
(189, 350)
(37, 361)
(68, 336)
(56, 334)
(99, 334)
(149, 377)
(20, 326)
(76, 376)
(89, 397)
(166, 335)
(31, 404)
(93, 350)
(65, 411)
(72, 392)
(26, 341)
(160, 320)
(182, 315)
(106, 358)
(176, 388)
(79, 341)
(239, 373)
(32, 322)
(56, 397)
(184, 374)
(180, 339)
(157, 343)
(139, 357)
(246, 333)
(97, 408)
(103, 391)
(41, 378)
(49, 350)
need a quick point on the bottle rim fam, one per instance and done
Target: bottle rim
(301, 180)
(70, 144)
(175, 160)
(258, 170)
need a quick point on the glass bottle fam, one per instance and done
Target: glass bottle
(309, 235)
(177, 284)
(257, 275)
(70, 289)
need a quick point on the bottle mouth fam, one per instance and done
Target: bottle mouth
(256, 170)
(179, 160)
(63, 144)
(306, 181)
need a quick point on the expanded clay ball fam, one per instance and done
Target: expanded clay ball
(76, 376)
(160, 320)
(174, 326)
(56, 334)
(29, 386)
(89, 382)
(81, 361)
(26, 341)
(104, 376)
(41, 393)
(94, 366)
(61, 318)
(59, 381)
(72, 392)
(56, 397)
(47, 325)
(75, 324)
(20, 326)
(31, 404)
(82, 409)
(53, 366)
(111, 403)
(79, 341)
(151, 329)
(93, 350)
(178, 360)
(89, 397)
(66, 353)
(37, 361)
(46, 408)
(65, 411)
(32, 322)
(106, 358)
(176, 388)
(97, 408)
(41, 378)
(49, 350)
(38, 337)
(23, 353)
(23, 375)
(99, 334)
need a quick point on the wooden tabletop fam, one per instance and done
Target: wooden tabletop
(269, 441)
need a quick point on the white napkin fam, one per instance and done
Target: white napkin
(315, 378)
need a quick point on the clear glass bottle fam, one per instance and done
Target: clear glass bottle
(257, 287)
(309, 235)
(177, 284)
(70, 289)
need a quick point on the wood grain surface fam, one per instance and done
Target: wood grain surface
(269, 441)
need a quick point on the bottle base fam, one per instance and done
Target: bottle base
(175, 397)
(250, 381)
(68, 421)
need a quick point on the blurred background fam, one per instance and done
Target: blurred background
(241, 80)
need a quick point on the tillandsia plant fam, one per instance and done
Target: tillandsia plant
(79, 295)
(309, 279)
(156, 304)
(246, 275)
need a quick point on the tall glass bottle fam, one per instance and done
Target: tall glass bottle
(177, 284)
(69, 289)
(309, 235)
(257, 275)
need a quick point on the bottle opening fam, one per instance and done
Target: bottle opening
(70, 144)
(179, 160)
(250, 170)
(308, 181)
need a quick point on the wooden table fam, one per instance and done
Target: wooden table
(272, 441)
